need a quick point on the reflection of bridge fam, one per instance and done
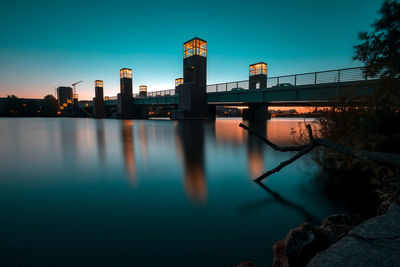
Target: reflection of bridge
(316, 88)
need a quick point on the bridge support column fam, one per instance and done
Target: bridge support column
(256, 112)
(192, 93)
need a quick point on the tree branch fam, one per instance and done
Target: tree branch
(379, 157)
(274, 146)
(287, 162)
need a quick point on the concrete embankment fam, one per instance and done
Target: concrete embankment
(376, 242)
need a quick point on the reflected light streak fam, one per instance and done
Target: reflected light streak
(128, 151)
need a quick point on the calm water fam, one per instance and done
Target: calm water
(148, 193)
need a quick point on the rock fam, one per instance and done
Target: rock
(304, 242)
(376, 242)
(246, 264)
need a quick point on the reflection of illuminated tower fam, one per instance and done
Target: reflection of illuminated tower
(125, 97)
(255, 149)
(143, 91)
(258, 75)
(98, 100)
(191, 137)
(128, 151)
(192, 93)
(178, 83)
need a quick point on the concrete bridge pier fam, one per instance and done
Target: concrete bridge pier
(256, 112)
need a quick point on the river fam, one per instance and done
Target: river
(84, 192)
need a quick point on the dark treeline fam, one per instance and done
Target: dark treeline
(375, 126)
(12, 106)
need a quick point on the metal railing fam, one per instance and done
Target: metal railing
(280, 82)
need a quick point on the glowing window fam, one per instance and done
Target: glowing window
(195, 46)
(75, 96)
(178, 82)
(258, 68)
(143, 88)
(125, 73)
(69, 101)
(98, 83)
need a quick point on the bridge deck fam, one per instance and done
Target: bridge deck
(290, 95)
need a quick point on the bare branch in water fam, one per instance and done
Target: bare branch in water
(378, 157)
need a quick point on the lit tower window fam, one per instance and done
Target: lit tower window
(98, 90)
(178, 82)
(195, 46)
(258, 68)
(143, 88)
(125, 73)
(99, 83)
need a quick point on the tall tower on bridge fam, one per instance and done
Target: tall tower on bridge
(192, 93)
(125, 97)
(98, 100)
(258, 75)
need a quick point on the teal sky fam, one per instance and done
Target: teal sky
(45, 44)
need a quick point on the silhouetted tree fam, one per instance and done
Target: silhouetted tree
(12, 106)
(49, 106)
(380, 49)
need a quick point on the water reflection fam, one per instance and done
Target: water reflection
(69, 141)
(255, 148)
(101, 141)
(191, 143)
(143, 141)
(128, 150)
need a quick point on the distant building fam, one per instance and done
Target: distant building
(64, 96)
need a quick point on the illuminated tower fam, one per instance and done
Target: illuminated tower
(258, 75)
(257, 80)
(125, 97)
(178, 83)
(98, 100)
(192, 93)
(143, 91)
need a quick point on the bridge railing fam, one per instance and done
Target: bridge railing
(311, 78)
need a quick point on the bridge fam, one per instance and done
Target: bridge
(192, 98)
(305, 89)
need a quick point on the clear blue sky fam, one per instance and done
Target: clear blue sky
(45, 44)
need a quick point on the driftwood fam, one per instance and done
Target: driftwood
(377, 157)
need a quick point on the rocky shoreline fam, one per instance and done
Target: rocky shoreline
(340, 241)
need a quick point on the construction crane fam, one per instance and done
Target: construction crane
(74, 85)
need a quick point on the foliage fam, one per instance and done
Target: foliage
(12, 106)
(380, 49)
(49, 106)
(374, 126)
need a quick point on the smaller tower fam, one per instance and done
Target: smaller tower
(98, 100)
(178, 83)
(143, 91)
(258, 75)
(125, 97)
